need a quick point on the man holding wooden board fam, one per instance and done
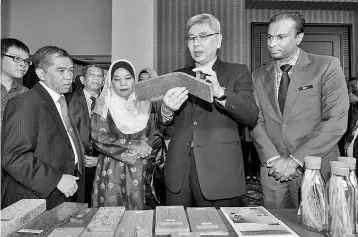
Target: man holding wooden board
(204, 165)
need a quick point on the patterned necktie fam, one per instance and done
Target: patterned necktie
(285, 81)
(69, 128)
(93, 102)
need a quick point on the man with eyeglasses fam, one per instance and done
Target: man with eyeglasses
(14, 64)
(204, 165)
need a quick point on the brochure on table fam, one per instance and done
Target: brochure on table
(256, 222)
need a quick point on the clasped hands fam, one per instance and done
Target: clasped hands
(284, 169)
(175, 97)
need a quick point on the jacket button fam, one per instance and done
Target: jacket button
(188, 143)
(195, 123)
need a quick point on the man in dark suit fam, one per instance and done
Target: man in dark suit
(303, 102)
(81, 103)
(41, 151)
(204, 165)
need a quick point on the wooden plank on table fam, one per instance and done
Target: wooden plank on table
(77, 223)
(49, 220)
(206, 221)
(20, 213)
(169, 219)
(104, 222)
(136, 223)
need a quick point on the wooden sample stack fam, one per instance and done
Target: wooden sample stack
(136, 223)
(20, 213)
(104, 222)
(206, 221)
(76, 225)
(169, 219)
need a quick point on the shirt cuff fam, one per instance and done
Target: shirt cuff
(221, 102)
(272, 159)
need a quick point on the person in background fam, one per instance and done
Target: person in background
(81, 104)
(204, 165)
(147, 73)
(125, 133)
(14, 64)
(41, 151)
(303, 101)
(251, 159)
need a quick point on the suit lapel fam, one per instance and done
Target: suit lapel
(52, 110)
(269, 83)
(299, 78)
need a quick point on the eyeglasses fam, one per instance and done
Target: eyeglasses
(18, 59)
(201, 37)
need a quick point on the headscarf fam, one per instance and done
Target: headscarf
(129, 115)
(151, 72)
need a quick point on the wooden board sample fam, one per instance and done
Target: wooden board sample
(157, 87)
(76, 224)
(189, 234)
(169, 219)
(136, 223)
(20, 213)
(104, 222)
(54, 218)
(206, 221)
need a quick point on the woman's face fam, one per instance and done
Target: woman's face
(122, 82)
(144, 76)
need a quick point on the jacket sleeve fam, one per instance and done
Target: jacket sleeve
(240, 103)
(19, 141)
(335, 105)
(264, 146)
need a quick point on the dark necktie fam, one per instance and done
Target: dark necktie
(69, 128)
(93, 102)
(285, 81)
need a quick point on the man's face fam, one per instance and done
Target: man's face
(122, 82)
(93, 79)
(203, 50)
(59, 75)
(12, 69)
(282, 40)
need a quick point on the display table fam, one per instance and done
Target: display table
(60, 215)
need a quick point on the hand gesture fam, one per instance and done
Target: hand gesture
(283, 169)
(212, 78)
(174, 98)
(68, 185)
(91, 161)
(144, 150)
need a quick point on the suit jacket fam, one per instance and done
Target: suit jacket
(36, 150)
(78, 110)
(213, 129)
(315, 113)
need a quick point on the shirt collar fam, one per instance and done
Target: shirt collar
(88, 95)
(54, 95)
(293, 59)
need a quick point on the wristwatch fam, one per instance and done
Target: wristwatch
(224, 95)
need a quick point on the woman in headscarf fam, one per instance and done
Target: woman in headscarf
(124, 131)
(147, 73)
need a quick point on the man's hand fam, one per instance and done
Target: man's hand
(211, 78)
(91, 161)
(68, 185)
(144, 149)
(283, 169)
(174, 98)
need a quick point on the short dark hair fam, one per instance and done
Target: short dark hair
(7, 43)
(43, 56)
(84, 69)
(295, 16)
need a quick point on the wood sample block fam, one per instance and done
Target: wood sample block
(206, 221)
(169, 219)
(20, 213)
(136, 223)
(157, 87)
(54, 218)
(180, 234)
(104, 222)
(66, 232)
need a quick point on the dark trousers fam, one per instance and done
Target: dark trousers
(90, 173)
(252, 166)
(190, 194)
